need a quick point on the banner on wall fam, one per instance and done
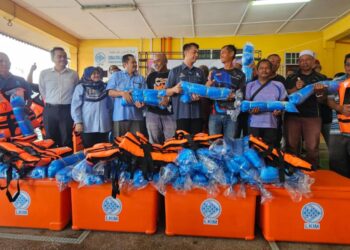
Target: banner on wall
(105, 57)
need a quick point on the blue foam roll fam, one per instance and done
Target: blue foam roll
(301, 95)
(56, 165)
(269, 174)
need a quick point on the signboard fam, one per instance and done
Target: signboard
(105, 57)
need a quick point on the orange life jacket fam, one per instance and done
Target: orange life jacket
(36, 112)
(102, 152)
(22, 155)
(8, 124)
(344, 98)
(183, 139)
(286, 162)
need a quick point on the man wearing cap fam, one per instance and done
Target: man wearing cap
(307, 123)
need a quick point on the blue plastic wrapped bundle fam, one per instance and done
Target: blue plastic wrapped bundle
(232, 165)
(249, 176)
(18, 107)
(301, 95)
(212, 93)
(186, 157)
(231, 179)
(218, 176)
(188, 169)
(56, 165)
(91, 179)
(215, 93)
(182, 183)
(38, 173)
(80, 170)
(200, 180)
(124, 180)
(4, 169)
(332, 86)
(249, 105)
(153, 97)
(298, 185)
(149, 97)
(268, 106)
(64, 175)
(221, 147)
(252, 156)
(168, 173)
(242, 162)
(209, 166)
(248, 59)
(139, 180)
(269, 174)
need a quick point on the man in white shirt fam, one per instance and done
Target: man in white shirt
(56, 86)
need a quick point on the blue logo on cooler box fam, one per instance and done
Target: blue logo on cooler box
(211, 210)
(312, 213)
(112, 208)
(22, 204)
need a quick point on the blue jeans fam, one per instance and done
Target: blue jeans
(222, 124)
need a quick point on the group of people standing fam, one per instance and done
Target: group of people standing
(95, 108)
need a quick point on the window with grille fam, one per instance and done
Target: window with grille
(291, 58)
(204, 54)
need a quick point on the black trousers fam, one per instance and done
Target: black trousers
(58, 124)
(269, 135)
(90, 139)
(242, 126)
(192, 126)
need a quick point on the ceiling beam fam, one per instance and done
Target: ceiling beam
(145, 20)
(192, 19)
(335, 19)
(102, 23)
(98, 20)
(242, 18)
(290, 18)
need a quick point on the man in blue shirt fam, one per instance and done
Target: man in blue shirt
(9, 84)
(187, 115)
(126, 118)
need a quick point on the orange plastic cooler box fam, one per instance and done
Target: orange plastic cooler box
(93, 208)
(194, 213)
(323, 218)
(39, 205)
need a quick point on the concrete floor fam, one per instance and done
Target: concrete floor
(28, 239)
(14, 238)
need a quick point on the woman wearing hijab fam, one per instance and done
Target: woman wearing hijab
(91, 108)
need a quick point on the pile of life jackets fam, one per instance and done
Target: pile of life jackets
(22, 154)
(135, 151)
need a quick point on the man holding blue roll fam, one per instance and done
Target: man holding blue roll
(126, 118)
(187, 115)
(220, 121)
(307, 123)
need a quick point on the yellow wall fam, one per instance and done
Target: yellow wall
(268, 44)
(341, 50)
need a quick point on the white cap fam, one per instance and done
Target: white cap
(307, 52)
